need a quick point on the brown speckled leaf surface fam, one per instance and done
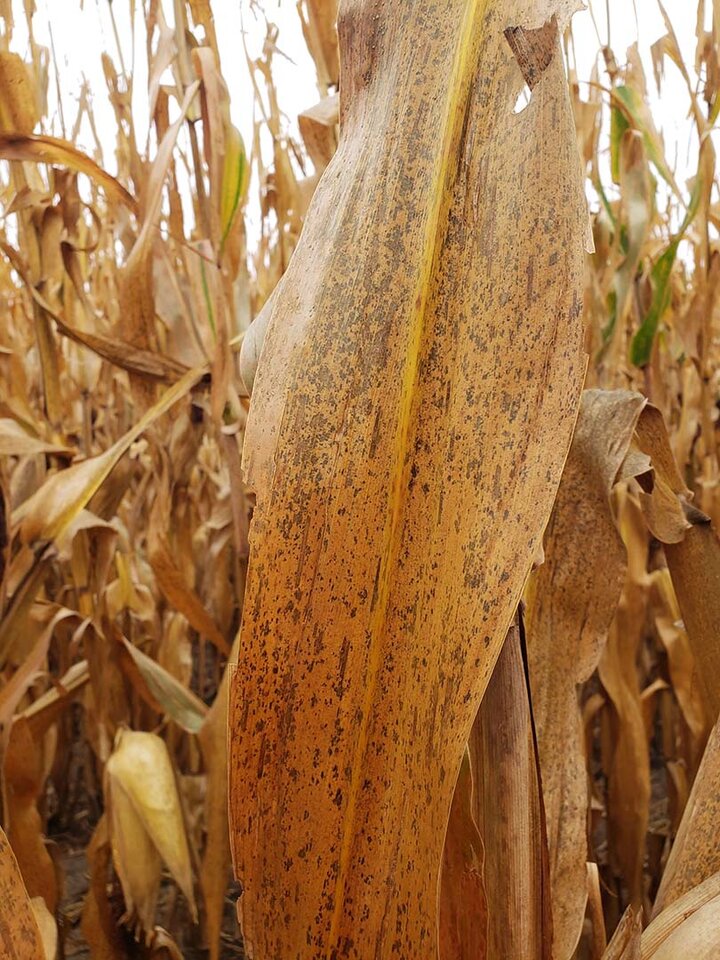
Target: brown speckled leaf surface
(19, 934)
(411, 415)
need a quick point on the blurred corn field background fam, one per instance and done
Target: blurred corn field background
(127, 360)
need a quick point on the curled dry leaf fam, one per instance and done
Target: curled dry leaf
(692, 550)
(43, 149)
(379, 595)
(49, 511)
(569, 612)
(146, 824)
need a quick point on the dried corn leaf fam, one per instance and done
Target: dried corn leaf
(694, 565)
(569, 613)
(626, 761)
(673, 916)
(19, 934)
(47, 927)
(46, 514)
(318, 128)
(180, 704)
(43, 149)
(463, 908)
(509, 812)
(692, 550)
(16, 442)
(393, 532)
(318, 18)
(695, 855)
(698, 936)
(625, 943)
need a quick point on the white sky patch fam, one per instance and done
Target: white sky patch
(83, 29)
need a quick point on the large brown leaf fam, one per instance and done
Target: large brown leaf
(463, 898)
(412, 413)
(570, 609)
(509, 812)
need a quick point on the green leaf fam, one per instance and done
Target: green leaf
(618, 126)
(234, 181)
(641, 345)
(637, 115)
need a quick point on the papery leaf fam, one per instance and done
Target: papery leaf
(49, 511)
(147, 823)
(39, 148)
(409, 424)
(19, 932)
(570, 609)
(180, 704)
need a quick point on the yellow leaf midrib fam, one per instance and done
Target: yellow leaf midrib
(459, 87)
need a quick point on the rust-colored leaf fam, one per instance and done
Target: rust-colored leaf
(463, 912)
(409, 425)
(509, 812)
(19, 934)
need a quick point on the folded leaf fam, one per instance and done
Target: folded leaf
(147, 825)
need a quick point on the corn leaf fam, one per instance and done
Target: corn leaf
(569, 614)
(180, 704)
(39, 148)
(19, 932)
(50, 510)
(393, 532)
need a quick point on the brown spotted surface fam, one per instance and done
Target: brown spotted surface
(19, 934)
(411, 415)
